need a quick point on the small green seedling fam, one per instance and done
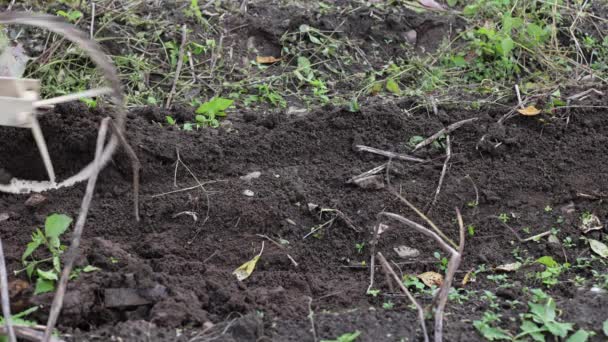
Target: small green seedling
(388, 305)
(548, 209)
(54, 226)
(71, 15)
(503, 217)
(208, 112)
(373, 292)
(550, 276)
(18, 319)
(347, 337)
(359, 247)
(471, 230)
(488, 327)
(443, 261)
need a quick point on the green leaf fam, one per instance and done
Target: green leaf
(605, 327)
(533, 330)
(459, 61)
(215, 106)
(547, 261)
(30, 268)
(43, 286)
(170, 120)
(90, 268)
(304, 71)
(56, 225)
(347, 337)
(37, 240)
(201, 118)
(506, 45)
(353, 106)
(56, 263)
(559, 329)
(598, 247)
(491, 333)
(48, 275)
(393, 86)
(579, 336)
(452, 3)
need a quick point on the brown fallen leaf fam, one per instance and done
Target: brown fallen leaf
(266, 59)
(431, 278)
(529, 111)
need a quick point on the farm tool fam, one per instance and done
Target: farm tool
(20, 106)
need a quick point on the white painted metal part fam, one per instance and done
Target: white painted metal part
(19, 102)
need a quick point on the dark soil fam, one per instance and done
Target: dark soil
(182, 268)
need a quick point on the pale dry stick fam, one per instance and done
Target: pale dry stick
(192, 69)
(205, 192)
(28, 334)
(368, 173)
(517, 236)
(444, 170)
(92, 32)
(311, 318)
(422, 215)
(372, 263)
(6, 305)
(475, 188)
(453, 264)
(293, 261)
(388, 269)
(519, 101)
(446, 130)
(389, 154)
(185, 189)
(180, 62)
(584, 93)
(135, 165)
(79, 227)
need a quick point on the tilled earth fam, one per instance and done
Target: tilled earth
(268, 174)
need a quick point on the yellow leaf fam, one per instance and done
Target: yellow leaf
(266, 59)
(529, 111)
(467, 277)
(431, 278)
(245, 270)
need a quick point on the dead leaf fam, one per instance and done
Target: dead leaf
(590, 222)
(266, 59)
(467, 277)
(432, 4)
(512, 267)
(599, 247)
(431, 278)
(529, 111)
(245, 270)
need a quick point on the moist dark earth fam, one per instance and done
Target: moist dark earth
(180, 257)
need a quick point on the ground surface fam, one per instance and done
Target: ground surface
(537, 173)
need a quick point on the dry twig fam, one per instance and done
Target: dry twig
(79, 227)
(28, 334)
(443, 173)
(389, 271)
(180, 62)
(443, 131)
(389, 154)
(453, 264)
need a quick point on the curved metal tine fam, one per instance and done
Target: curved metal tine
(72, 97)
(44, 152)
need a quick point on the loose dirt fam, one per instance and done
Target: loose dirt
(179, 259)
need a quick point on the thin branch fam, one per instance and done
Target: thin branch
(443, 131)
(311, 318)
(444, 245)
(6, 305)
(389, 154)
(422, 215)
(372, 263)
(443, 173)
(389, 270)
(517, 236)
(368, 173)
(180, 62)
(73, 251)
(28, 334)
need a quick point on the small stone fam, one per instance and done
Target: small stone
(291, 222)
(411, 36)
(312, 207)
(248, 193)
(251, 175)
(406, 252)
(208, 325)
(4, 217)
(35, 200)
(553, 239)
(375, 182)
